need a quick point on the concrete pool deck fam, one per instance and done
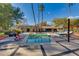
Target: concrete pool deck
(59, 47)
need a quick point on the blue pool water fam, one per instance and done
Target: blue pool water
(38, 40)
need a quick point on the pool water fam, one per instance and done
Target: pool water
(38, 39)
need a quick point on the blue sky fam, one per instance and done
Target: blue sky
(52, 10)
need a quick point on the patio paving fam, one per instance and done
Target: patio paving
(6, 50)
(72, 46)
(58, 47)
(70, 54)
(53, 49)
(24, 51)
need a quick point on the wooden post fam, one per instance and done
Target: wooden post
(68, 30)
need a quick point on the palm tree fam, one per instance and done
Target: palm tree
(38, 18)
(41, 9)
(34, 16)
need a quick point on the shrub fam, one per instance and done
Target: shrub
(18, 31)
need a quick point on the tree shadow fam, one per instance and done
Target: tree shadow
(66, 52)
(18, 54)
(14, 52)
(6, 49)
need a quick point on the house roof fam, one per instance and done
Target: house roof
(49, 27)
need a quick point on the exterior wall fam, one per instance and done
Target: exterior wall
(39, 29)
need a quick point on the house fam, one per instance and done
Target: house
(31, 28)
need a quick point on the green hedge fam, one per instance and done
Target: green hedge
(38, 36)
(1, 33)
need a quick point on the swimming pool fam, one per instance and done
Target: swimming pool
(38, 39)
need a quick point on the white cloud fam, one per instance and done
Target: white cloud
(49, 22)
(25, 16)
(76, 16)
(73, 17)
